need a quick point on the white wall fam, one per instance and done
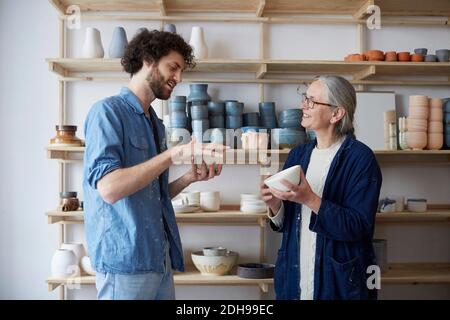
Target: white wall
(29, 104)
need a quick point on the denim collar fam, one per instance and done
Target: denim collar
(131, 99)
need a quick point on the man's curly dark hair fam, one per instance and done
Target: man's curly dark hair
(153, 45)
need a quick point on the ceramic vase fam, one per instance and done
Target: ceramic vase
(118, 43)
(77, 248)
(198, 43)
(92, 47)
(64, 263)
(199, 92)
(170, 28)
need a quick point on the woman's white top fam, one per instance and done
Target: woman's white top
(318, 168)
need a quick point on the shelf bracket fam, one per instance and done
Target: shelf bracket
(57, 69)
(260, 9)
(264, 287)
(53, 286)
(362, 12)
(53, 220)
(162, 7)
(262, 70)
(365, 73)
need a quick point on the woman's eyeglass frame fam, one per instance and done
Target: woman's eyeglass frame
(310, 103)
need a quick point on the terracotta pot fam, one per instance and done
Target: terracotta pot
(435, 103)
(416, 125)
(417, 140)
(417, 57)
(418, 100)
(404, 56)
(354, 57)
(375, 55)
(435, 141)
(435, 127)
(391, 56)
(416, 112)
(436, 114)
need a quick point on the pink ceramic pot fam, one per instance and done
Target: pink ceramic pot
(417, 140)
(435, 127)
(436, 114)
(435, 141)
(416, 112)
(417, 125)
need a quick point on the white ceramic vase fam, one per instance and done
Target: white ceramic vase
(92, 47)
(76, 247)
(64, 263)
(87, 266)
(198, 43)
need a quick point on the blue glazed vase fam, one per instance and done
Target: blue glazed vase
(199, 93)
(118, 43)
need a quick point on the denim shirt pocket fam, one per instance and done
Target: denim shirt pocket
(139, 149)
(347, 278)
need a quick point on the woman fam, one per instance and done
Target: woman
(328, 219)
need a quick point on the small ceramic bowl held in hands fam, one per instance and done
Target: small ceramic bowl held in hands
(291, 174)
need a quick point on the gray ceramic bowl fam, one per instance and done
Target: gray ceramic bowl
(443, 55)
(431, 58)
(177, 107)
(256, 270)
(234, 108)
(216, 108)
(290, 114)
(179, 99)
(233, 122)
(199, 112)
(214, 251)
(422, 51)
(267, 109)
(251, 119)
(200, 125)
(287, 138)
(216, 121)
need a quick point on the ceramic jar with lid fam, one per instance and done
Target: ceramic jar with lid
(68, 201)
(65, 136)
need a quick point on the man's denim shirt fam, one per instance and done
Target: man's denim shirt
(128, 236)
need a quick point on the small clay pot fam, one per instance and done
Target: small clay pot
(404, 56)
(417, 57)
(375, 55)
(354, 57)
(435, 141)
(391, 56)
(417, 140)
(436, 127)
(69, 201)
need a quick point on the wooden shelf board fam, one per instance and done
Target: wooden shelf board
(398, 273)
(65, 67)
(388, 7)
(417, 273)
(433, 215)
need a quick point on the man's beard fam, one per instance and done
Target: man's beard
(157, 84)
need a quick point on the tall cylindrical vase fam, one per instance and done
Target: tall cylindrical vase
(92, 47)
(118, 43)
(198, 43)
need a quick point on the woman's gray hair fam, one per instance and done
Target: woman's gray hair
(340, 92)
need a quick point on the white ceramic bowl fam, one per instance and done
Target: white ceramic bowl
(214, 265)
(291, 174)
(417, 205)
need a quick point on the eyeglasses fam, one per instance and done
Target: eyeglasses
(310, 103)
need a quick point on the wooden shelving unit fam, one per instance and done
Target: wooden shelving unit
(399, 273)
(266, 71)
(260, 71)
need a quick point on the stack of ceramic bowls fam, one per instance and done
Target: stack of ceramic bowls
(251, 119)
(252, 203)
(290, 118)
(267, 113)
(200, 120)
(287, 138)
(233, 110)
(417, 122)
(177, 111)
(210, 201)
(216, 110)
(435, 125)
(446, 108)
(443, 55)
(198, 95)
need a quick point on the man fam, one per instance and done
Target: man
(131, 232)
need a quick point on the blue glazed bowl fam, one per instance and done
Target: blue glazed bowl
(216, 108)
(422, 51)
(269, 122)
(234, 108)
(233, 122)
(177, 107)
(267, 109)
(200, 125)
(290, 114)
(251, 119)
(199, 112)
(446, 105)
(199, 92)
(179, 99)
(217, 121)
(295, 123)
(431, 58)
(443, 55)
(287, 138)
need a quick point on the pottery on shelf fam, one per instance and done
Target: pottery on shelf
(64, 264)
(169, 27)
(92, 46)
(214, 251)
(443, 55)
(86, 266)
(68, 201)
(65, 137)
(199, 92)
(291, 174)
(198, 43)
(214, 265)
(76, 247)
(118, 43)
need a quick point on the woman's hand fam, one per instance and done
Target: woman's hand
(301, 193)
(273, 203)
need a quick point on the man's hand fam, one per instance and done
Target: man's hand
(203, 172)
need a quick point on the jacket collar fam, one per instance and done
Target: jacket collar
(131, 99)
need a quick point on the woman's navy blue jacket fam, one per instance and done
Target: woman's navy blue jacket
(344, 226)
